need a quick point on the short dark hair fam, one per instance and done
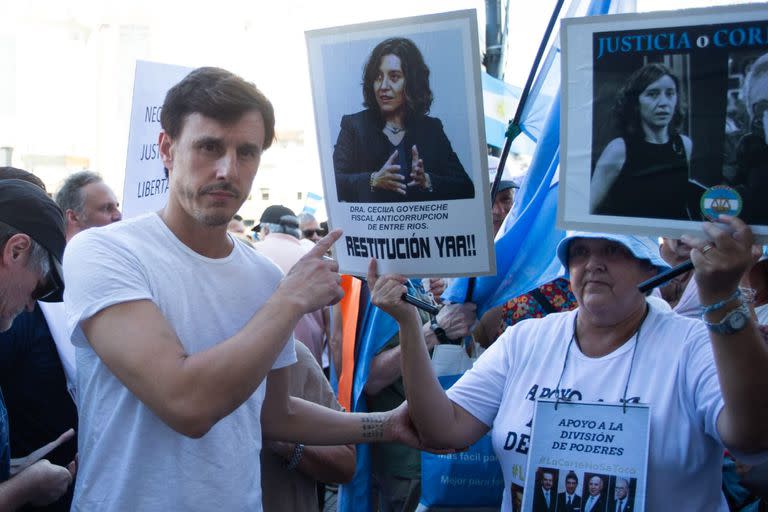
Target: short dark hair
(627, 107)
(218, 94)
(418, 95)
(70, 196)
(571, 476)
(14, 173)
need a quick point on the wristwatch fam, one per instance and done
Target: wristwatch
(439, 332)
(734, 321)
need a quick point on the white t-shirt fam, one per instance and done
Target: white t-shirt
(674, 372)
(129, 458)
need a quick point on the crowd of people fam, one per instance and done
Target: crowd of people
(194, 361)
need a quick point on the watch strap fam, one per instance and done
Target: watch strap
(733, 321)
(442, 337)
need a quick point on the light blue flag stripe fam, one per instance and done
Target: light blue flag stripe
(529, 244)
(525, 253)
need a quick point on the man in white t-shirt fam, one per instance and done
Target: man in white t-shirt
(178, 326)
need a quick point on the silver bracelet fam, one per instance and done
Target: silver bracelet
(709, 308)
(298, 451)
(748, 294)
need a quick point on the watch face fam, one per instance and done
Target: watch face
(737, 320)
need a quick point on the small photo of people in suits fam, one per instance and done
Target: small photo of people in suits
(545, 490)
(594, 492)
(569, 499)
(621, 492)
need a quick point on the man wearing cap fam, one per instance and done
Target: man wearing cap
(183, 334)
(279, 228)
(502, 203)
(280, 242)
(33, 379)
(31, 247)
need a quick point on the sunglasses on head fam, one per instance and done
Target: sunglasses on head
(310, 232)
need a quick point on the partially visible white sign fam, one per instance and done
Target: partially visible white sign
(596, 443)
(146, 187)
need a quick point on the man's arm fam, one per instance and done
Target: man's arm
(191, 392)
(40, 484)
(287, 418)
(327, 464)
(331, 464)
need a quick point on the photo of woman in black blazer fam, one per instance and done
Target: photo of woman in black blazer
(393, 151)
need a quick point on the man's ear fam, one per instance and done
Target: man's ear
(16, 249)
(165, 144)
(71, 217)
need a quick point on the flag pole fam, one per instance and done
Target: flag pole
(513, 129)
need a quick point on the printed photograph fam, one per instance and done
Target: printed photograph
(664, 122)
(393, 150)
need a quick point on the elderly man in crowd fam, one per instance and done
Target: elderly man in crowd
(311, 231)
(31, 247)
(279, 229)
(87, 202)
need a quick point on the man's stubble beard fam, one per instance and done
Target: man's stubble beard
(210, 220)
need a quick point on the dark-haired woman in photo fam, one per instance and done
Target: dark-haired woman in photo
(393, 151)
(644, 173)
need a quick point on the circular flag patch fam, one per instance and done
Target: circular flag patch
(720, 200)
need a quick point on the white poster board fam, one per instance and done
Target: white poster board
(146, 187)
(599, 446)
(441, 230)
(662, 120)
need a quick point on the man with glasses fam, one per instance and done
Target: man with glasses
(31, 249)
(279, 228)
(37, 360)
(310, 229)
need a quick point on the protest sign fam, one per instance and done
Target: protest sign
(593, 453)
(146, 187)
(663, 120)
(399, 115)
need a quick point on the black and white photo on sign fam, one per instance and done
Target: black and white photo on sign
(398, 109)
(675, 121)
